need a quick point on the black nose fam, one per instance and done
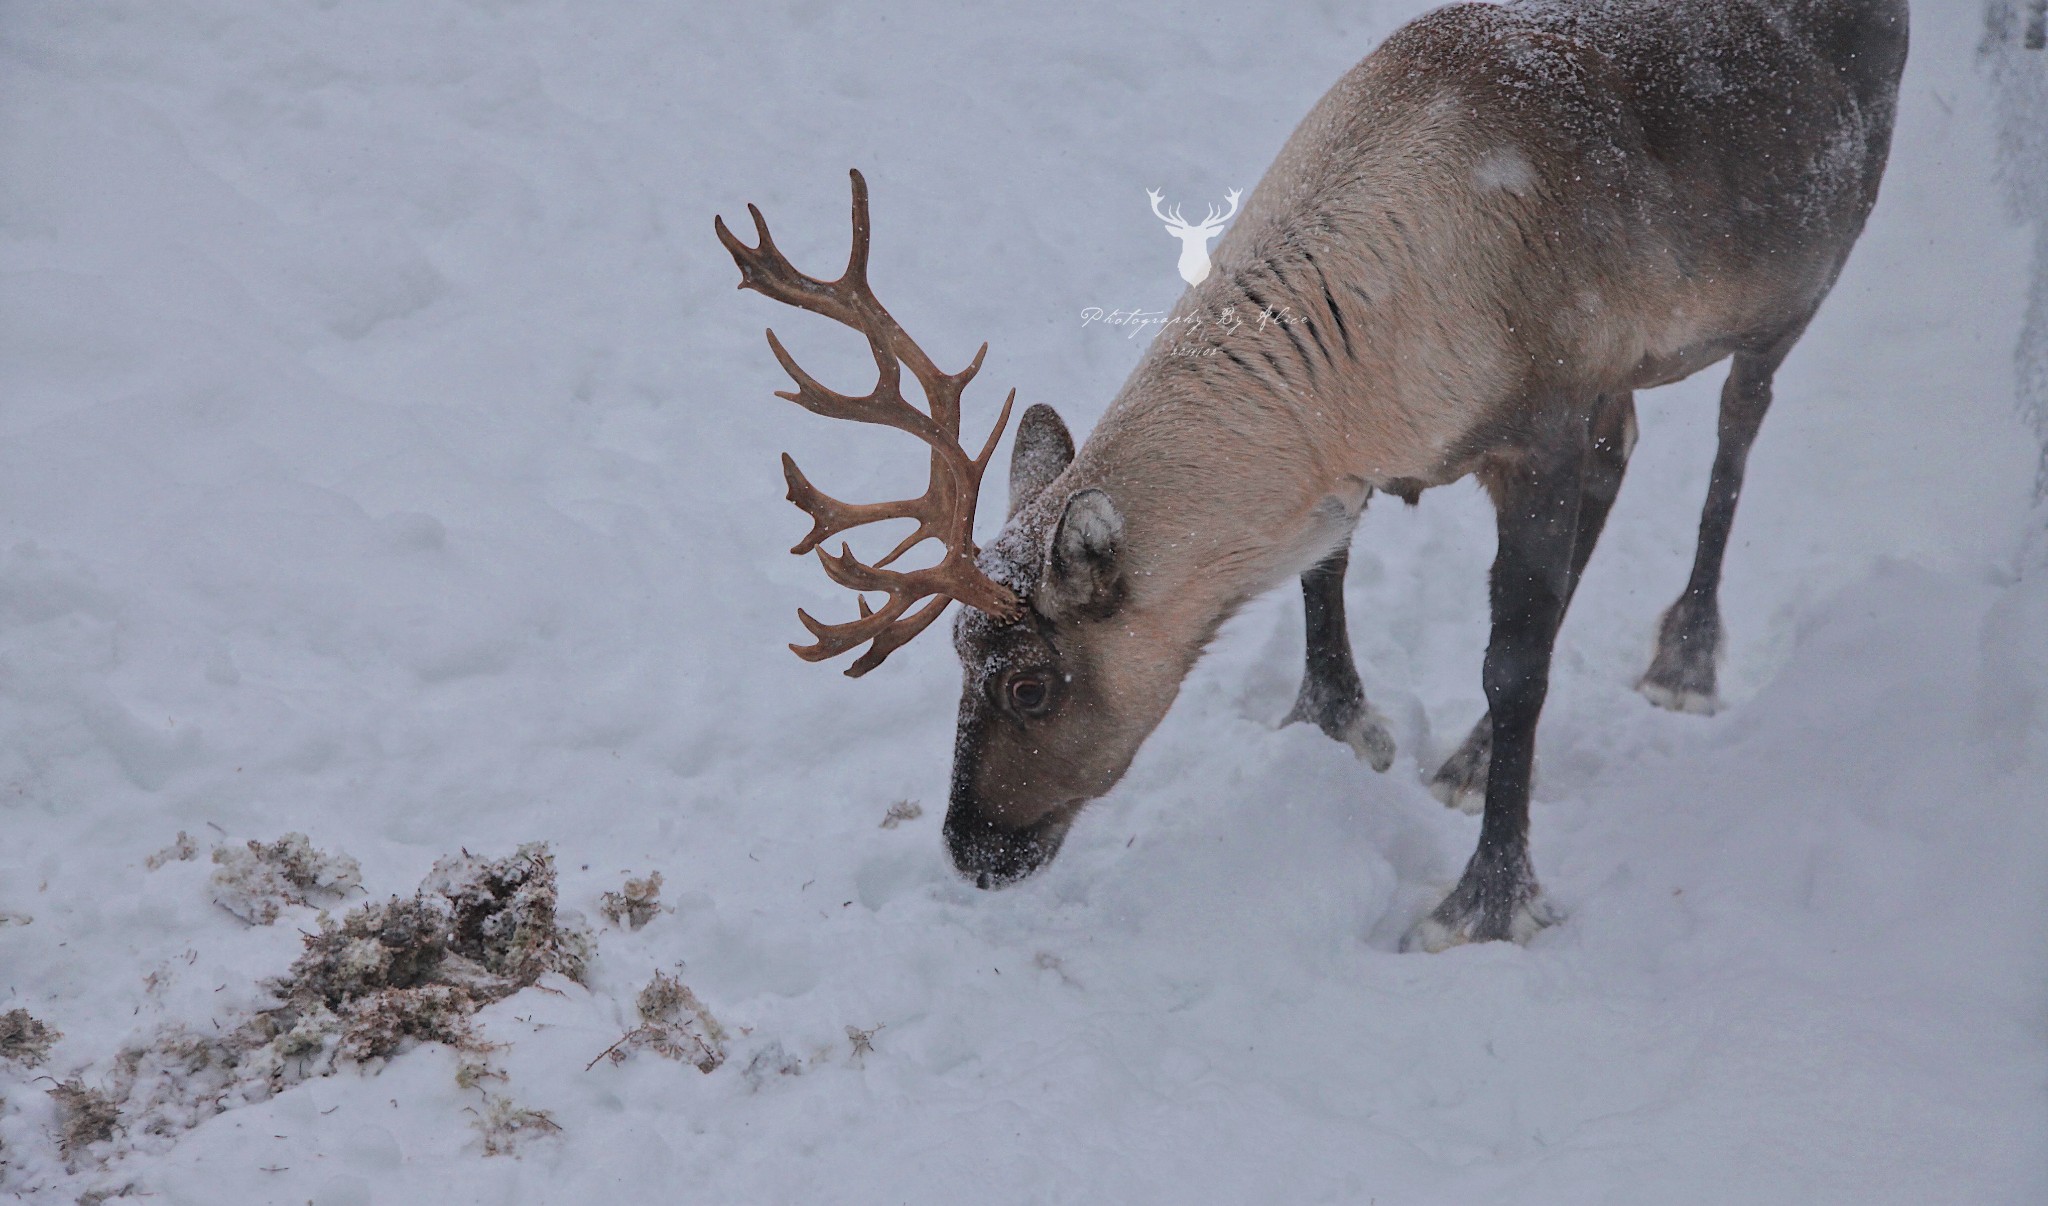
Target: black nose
(992, 856)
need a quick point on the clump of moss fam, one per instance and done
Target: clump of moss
(505, 918)
(84, 1117)
(636, 903)
(378, 1025)
(24, 1041)
(477, 931)
(256, 881)
(674, 1024)
(411, 969)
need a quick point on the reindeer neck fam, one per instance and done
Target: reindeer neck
(1246, 441)
(1223, 494)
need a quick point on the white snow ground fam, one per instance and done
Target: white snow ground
(385, 454)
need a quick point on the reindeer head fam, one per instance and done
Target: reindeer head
(1194, 239)
(1044, 727)
(1051, 709)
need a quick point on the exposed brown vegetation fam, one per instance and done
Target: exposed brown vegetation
(24, 1041)
(674, 1024)
(411, 969)
(257, 880)
(505, 1125)
(635, 904)
(85, 1117)
(181, 850)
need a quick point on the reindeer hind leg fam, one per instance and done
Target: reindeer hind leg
(1460, 782)
(1683, 671)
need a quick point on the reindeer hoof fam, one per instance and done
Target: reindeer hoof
(1679, 699)
(1681, 675)
(1368, 737)
(1460, 782)
(1462, 919)
(1356, 724)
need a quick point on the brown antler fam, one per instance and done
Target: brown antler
(945, 512)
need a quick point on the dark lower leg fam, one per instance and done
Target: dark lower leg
(1533, 574)
(1682, 672)
(1461, 781)
(1331, 696)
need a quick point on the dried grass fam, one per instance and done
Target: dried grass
(24, 1041)
(636, 904)
(674, 1024)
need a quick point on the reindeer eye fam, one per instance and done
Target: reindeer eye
(1030, 694)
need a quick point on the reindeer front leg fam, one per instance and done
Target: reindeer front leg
(1331, 696)
(1538, 500)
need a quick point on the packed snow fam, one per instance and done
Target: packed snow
(388, 483)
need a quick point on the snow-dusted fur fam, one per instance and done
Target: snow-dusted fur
(1499, 225)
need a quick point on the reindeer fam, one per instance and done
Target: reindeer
(1495, 229)
(1194, 240)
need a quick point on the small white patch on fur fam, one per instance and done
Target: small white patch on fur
(1504, 170)
(1694, 702)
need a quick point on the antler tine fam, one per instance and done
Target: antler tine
(988, 449)
(945, 511)
(857, 256)
(830, 517)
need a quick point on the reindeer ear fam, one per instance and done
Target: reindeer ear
(1042, 451)
(1084, 574)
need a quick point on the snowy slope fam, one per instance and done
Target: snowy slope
(385, 455)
